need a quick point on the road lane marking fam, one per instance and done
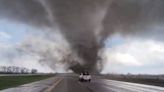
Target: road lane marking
(53, 86)
(131, 86)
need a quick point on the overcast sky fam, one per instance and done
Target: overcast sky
(55, 36)
(122, 54)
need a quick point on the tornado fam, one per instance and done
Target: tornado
(86, 24)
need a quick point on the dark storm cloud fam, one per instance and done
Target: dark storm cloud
(134, 16)
(28, 11)
(78, 20)
(87, 23)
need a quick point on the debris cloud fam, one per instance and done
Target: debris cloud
(86, 24)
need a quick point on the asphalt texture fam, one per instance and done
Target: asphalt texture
(70, 83)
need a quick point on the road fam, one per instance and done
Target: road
(69, 83)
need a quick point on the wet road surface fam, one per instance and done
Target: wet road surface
(71, 84)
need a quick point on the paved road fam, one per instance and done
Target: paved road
(70, 84)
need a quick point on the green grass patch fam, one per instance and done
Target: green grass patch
(13, 81)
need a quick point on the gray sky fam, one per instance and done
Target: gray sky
(98, 35)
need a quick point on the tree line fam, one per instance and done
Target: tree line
(16, 70)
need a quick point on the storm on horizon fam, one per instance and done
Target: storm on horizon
(100, 36)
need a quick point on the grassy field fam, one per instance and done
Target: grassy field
(13, 81)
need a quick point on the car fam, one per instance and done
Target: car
(85, 77)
